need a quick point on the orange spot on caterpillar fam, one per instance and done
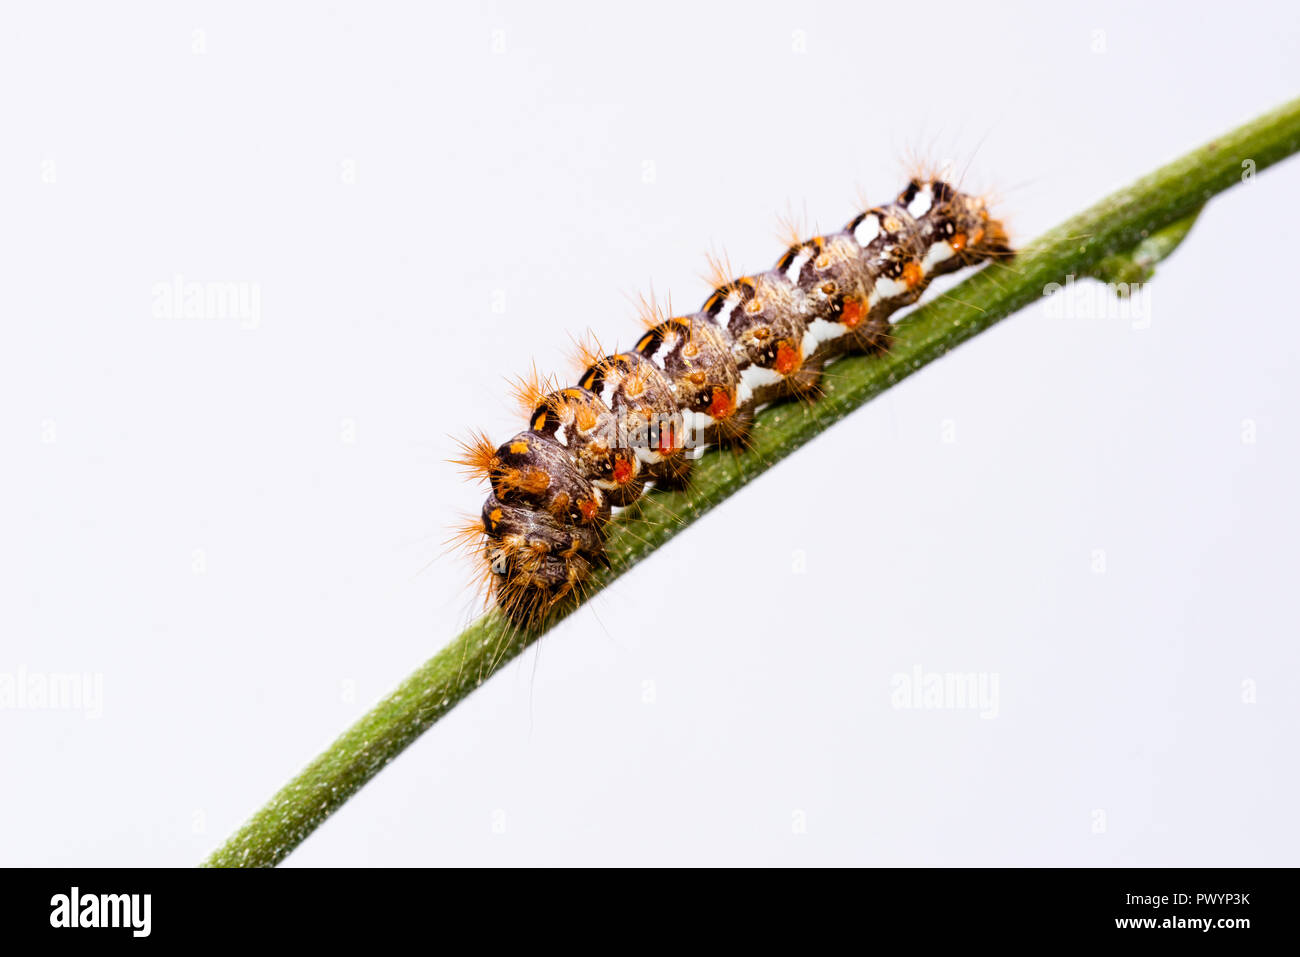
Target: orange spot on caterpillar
(623, 471)
(478, 456)
(637, 381)
(996, 242)
(667, 440)
(588, 508)
(585, 418)
(787, 358)
(753, 306)
(913, 274)
(536, 481)
(519, 448)
(722, 405)
(958, 242)
(495, 516)
(851, 314)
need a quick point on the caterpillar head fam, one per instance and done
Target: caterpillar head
(957, 227)
(533, 560)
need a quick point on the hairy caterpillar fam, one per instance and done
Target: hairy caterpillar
(642, 416)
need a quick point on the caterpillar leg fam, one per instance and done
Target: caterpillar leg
(625, 493)
(733, 431)
(672, 471)
(874, 335)
(804, 383)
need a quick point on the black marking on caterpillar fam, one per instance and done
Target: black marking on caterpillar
(636, 417)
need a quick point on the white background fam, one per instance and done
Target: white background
(239, 528)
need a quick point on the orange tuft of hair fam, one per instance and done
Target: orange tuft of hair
(467, 535)
(635, 383)
(586, 351)
(478, 456)
(791, 228)
(922, 166)
(648, 311)
(468, 539)
(996, 241)
(530, 389)
(719, 274)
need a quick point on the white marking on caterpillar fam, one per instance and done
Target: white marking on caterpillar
(728, 310)
(921, 203)
(796, 267)
(867, 230)
(698, 424)
(607, 392)
(819, 331)
(659, 358)
(937, 253)
(887, 288)
(753, 378)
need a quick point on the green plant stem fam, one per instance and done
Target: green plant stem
(1117, 226)
(1137, 265)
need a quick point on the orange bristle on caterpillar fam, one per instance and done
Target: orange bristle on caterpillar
(478, 456)
(529, 390)
(791, 228)
(718, 274)
(586, 350)
(648, 311)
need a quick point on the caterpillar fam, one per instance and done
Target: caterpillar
(641, 417)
